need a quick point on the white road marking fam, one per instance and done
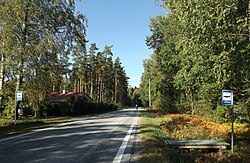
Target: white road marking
(122, 148)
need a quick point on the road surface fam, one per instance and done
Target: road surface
(104, 138)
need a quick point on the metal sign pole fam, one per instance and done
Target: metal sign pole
(232, 133)
(15, 109)
(18, 97)
(227, 100)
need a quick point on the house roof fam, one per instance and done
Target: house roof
(59, 96)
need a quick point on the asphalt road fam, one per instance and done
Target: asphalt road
(104, 138)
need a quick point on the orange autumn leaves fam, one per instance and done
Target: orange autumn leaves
(184, 127)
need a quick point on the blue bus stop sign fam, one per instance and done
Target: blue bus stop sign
(227, 97)
(19, 96)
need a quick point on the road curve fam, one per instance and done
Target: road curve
(104, 138)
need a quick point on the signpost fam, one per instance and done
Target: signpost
(227, 97)
(19, 96)
(227, 100)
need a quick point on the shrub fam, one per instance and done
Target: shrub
(9, 105)
(241, 114)
(57, 109)
(82, 107)
(222, 114)
(79, 106)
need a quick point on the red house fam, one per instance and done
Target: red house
(57, 97)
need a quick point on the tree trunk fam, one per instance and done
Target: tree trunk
(1, 78)
(75, 83)
(91, 87)
(85, 87)
(192, 100)
(100, 90)
(116, 90)
(53, 87)
(78, 85)
(19, 77)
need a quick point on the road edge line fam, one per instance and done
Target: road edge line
(123, 146)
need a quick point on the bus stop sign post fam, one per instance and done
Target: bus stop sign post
(19, 97)
(227, 97)
(227, 100)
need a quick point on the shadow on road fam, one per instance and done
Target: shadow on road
(92, 139)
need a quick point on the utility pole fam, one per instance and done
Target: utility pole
(149, 94)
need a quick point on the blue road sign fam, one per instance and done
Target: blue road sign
(19, 96)
(227, 97)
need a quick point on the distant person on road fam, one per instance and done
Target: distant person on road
(136, 106)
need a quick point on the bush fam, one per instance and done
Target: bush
(222, 114)
(241, 114)
(203, 107)
(77, 107)
(168, 105)
(82, 107)
(42, 109)
(9, 108)
(57, 109)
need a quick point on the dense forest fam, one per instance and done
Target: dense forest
(200, 48)
(43, 49)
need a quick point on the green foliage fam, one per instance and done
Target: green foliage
(154, 77)
(37, 40)
(199, 48)
(222, 114)
(96, 74)
(9, 108)
(135, 97)
(79, 106)
(82, 107)
(57, 109)
(242, 114)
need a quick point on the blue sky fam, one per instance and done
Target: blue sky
(124, 24)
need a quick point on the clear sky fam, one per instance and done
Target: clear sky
(124, 24)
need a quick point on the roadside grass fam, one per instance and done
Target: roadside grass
(27, 124)
(156, 126)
